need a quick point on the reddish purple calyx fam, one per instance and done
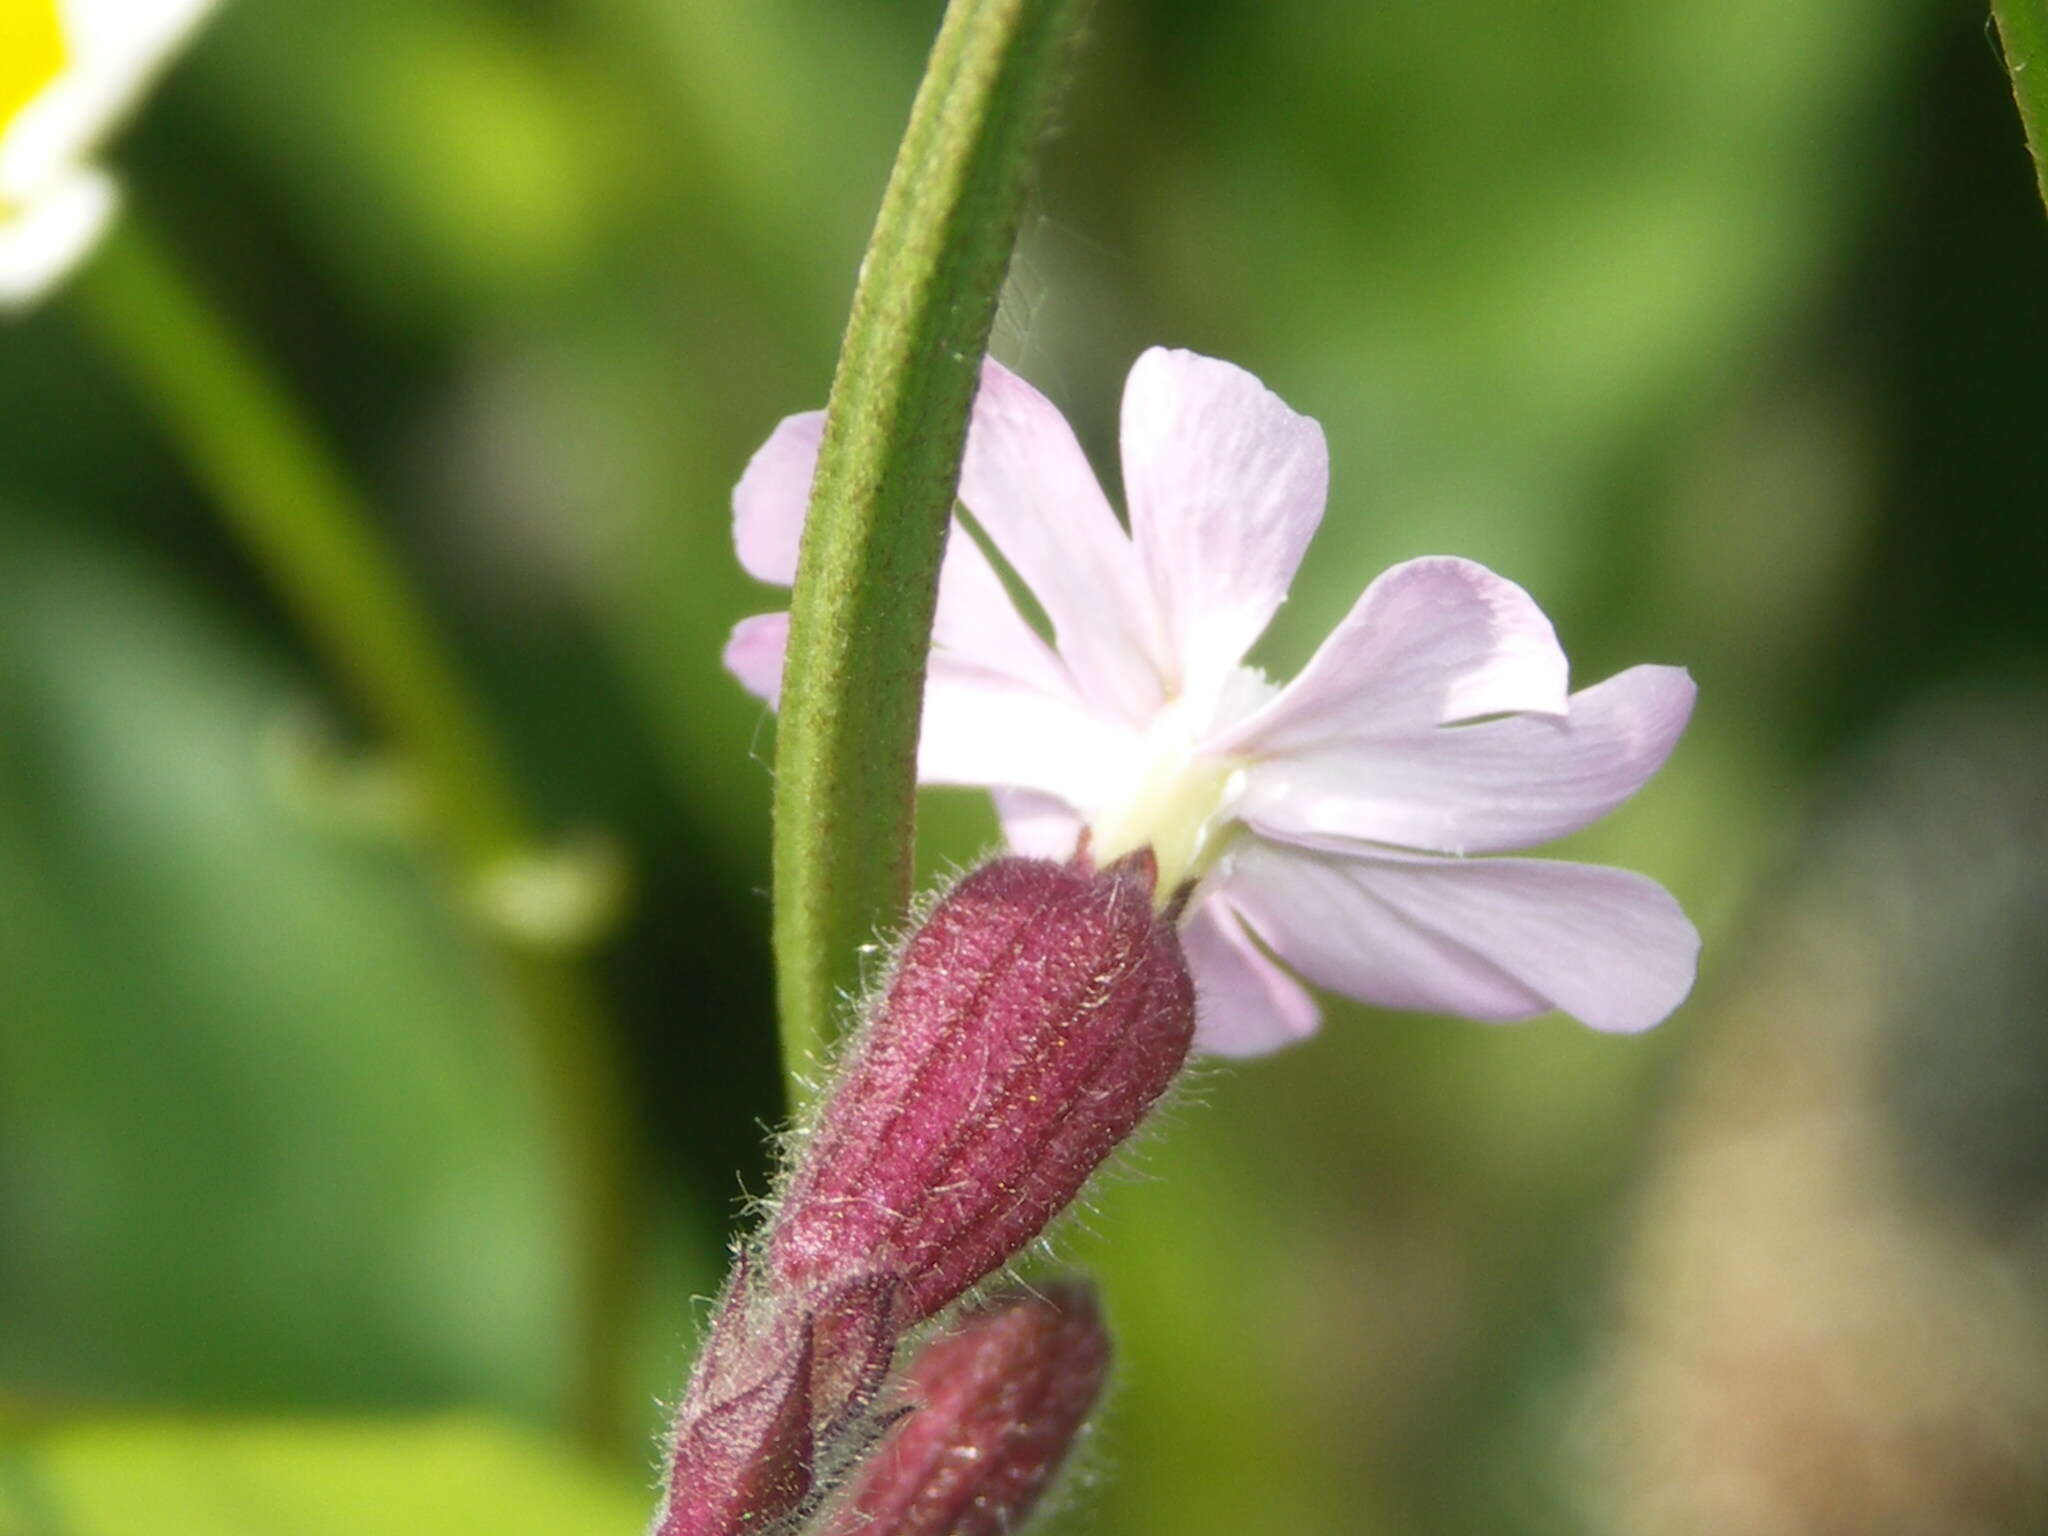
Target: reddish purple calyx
(777, 1406)
(1032, 1021)
(996, 1403)
(743, 1454)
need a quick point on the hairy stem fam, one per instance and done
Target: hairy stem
(307, 528)
(867, 581)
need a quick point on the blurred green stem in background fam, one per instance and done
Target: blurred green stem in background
(2023, 35)
(308, 529)
(867, 581)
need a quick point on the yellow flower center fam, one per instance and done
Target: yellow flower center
(31, 54)
(1176, 802)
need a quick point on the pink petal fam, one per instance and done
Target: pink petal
(1479, 788)
(1000, 708)
(996, 693)
(1226, 487)
(754, 654)
(981, 727)
(1245, 1005)
(977, 626)
(1037, 826)
(1430, 642)
(975, 614)
(769, 503)
(1026, 480)
(1491, 939)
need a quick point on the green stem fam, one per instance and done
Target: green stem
(2023, 34)
(281, 492)
(867, 582)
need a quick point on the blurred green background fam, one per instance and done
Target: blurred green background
(1722, 328)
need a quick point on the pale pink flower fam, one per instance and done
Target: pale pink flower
(1340, 824)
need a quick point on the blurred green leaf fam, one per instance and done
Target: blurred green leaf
(438, 1477)
(444, 153)
(262, 1117)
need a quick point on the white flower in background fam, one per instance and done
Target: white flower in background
(69, 71)
(1327, 823)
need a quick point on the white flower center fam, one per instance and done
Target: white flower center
(1176, 798)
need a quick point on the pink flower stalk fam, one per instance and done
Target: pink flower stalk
(1332, 823)
(995, 1404)
(1032, 1020)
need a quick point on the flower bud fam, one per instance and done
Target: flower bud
(1031, 1022)
(994, 1405)
(777, 1408)
(742, 1454)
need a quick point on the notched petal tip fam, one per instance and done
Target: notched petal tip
(1431, 642)
(1025, 479)
(1226, 485)
(1522, 668)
